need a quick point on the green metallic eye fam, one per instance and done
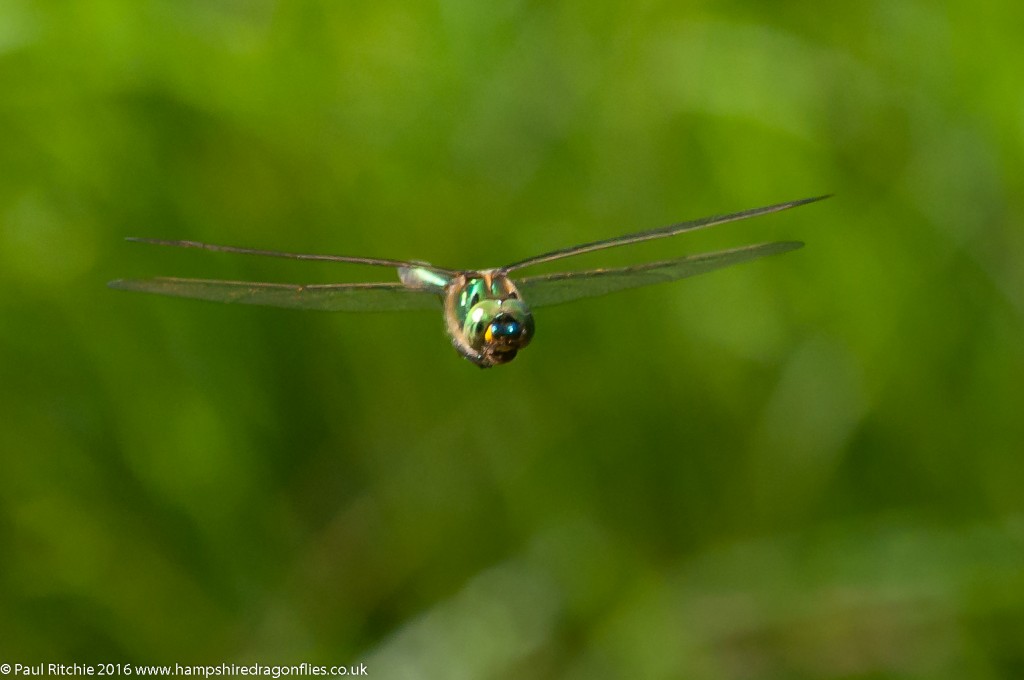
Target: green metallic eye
(516, 322)
(504, 326)
(478, 319)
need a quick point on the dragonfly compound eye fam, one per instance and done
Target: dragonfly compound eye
(504, 327)
(478, 321)
(511, 327)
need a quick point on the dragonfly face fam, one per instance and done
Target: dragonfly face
(496, 324)
(485, 311)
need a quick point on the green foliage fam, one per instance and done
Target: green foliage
(805, 467)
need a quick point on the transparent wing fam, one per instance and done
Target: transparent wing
(372, 261)
(661, 232)
(554, 289)
(334, 297)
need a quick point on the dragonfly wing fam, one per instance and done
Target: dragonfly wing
(661, 232)
(372, 261)
(334, 297)
(554, 289)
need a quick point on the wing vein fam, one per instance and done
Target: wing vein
(558, 288)
(661, 232)
(372, 261)
(348, 297)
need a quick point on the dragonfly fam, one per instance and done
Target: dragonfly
(487, 312)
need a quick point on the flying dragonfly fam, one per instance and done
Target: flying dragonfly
(486, 311)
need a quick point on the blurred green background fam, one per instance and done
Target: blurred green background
(806, 467)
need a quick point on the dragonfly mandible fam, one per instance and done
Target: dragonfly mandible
(487, 312)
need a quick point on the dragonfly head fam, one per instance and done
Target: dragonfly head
(499, 328)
